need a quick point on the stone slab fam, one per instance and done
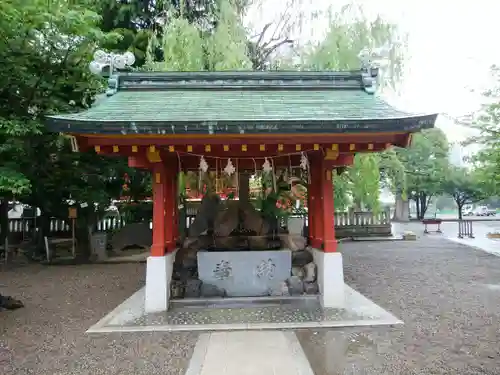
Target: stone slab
(251, 353)
(244, 313)
(244, 273)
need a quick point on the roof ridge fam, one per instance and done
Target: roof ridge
(241, 80)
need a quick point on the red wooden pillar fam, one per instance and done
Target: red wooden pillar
(311, 191)
(169, 211)
(317, 203)
(329, 241)
(159, 183)
(175, 208)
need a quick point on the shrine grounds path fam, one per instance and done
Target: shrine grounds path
(447, 294)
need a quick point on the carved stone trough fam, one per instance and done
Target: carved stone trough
(245, 273)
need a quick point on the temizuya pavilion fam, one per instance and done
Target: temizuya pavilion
(162, 121)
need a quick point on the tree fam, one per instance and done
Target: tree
(264, 47)
(364, 178)
(139, 21)
(393, 178)
(426, 164)
(341, 191)
(487, 122)
(464, 187)
(191, 46)
(45, 51)
(350, 32)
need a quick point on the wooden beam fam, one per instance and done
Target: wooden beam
(225, 151)
(239, 139)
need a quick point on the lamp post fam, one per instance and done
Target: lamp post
(113, 60)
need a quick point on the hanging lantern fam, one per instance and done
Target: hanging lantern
(203, 165)
(266, 167)
(229, 169)
(304, 162)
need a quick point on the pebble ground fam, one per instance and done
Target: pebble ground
(47, 337)
(448, 296)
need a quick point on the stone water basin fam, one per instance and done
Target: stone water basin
(245, 273)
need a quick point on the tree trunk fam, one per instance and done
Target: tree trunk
(422, 203)
(460, 206)
(402, 209)
(417, 207)
(84, 229)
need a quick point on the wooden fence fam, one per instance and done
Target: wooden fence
(363, 224)
(347, 224)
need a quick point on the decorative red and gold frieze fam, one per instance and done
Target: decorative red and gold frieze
(245, 155)
(257, 150)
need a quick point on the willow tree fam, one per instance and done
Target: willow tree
(196, 46)
(226, 47)
(350, 31)
(393, 177)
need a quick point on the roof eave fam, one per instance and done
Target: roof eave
(408, 124)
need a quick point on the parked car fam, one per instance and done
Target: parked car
(467, 211)
(484, 211)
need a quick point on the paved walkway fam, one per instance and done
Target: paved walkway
(450, 232)
(480, 241)
(249, 353)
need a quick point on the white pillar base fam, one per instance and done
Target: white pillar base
(330, 274)
(158, 278)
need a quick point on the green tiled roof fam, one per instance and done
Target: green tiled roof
(170, 103)
(238, 105)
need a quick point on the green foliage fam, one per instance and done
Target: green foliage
(464, 187)
(341, 191)
(364, 179)
(392, 172)
(189, 46)
(350, 31)
(426, 165)
(487, 160)
(141, 22)
(182, 46)
(227, 46)
(45, 51)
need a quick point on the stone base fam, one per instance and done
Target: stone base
(244, 273)
(228, 314)
(330, 274)
(158, 279)
(409, 236)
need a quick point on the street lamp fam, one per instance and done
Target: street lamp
(113, 60)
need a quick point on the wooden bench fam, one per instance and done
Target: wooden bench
(432, 222)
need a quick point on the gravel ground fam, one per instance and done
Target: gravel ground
(48, 335)
(447, 294)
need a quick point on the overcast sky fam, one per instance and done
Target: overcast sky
(451, 46)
